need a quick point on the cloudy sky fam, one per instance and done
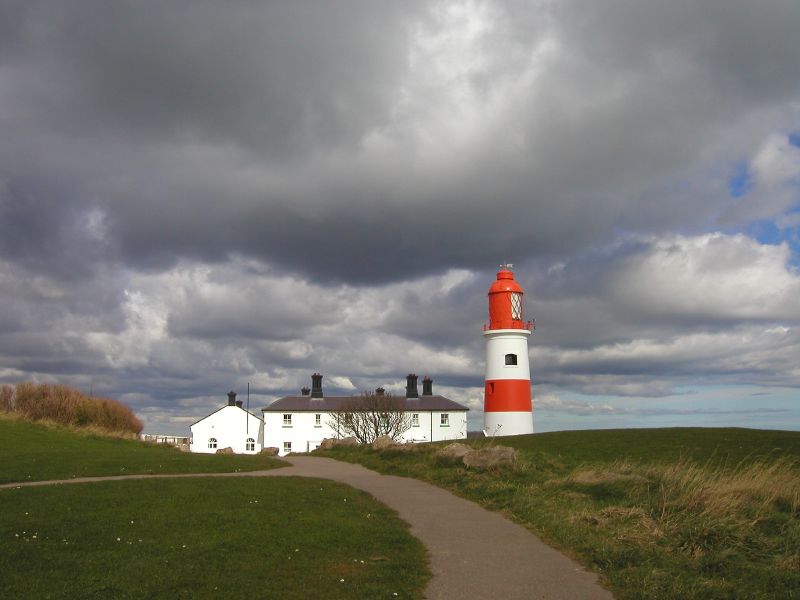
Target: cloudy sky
(195, 195)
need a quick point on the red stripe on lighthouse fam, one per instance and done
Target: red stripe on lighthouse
(508, 395)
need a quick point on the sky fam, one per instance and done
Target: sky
(196, 196)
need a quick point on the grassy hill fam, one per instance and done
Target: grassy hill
(277, 537)
(33, 452)
(659, 513)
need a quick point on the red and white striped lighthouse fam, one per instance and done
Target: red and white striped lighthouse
(507, 399)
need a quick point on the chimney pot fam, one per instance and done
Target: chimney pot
(239, 403)
(411, 386)
(427, 386)
(231, 398)
(305, 391)
(379, 391)
(316, 385)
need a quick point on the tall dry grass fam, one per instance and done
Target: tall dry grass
(67, 406)
(739, 495)
(703, 508)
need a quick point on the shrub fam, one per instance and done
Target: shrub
(67, 406)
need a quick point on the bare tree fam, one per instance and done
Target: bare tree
(371, 416)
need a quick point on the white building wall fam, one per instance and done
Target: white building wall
(304, 435)
(231, 426)
(430, 427)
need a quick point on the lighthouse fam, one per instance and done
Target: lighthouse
(507, 397)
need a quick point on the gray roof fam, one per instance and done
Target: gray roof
(309, 404)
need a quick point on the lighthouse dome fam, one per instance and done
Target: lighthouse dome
(506, 306)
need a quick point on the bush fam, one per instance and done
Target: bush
(67, 406)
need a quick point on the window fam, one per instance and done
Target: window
(250, 445)
(287, 420)
(511, 359)
(318, 420)
(212, 442)
(444, 420)
(516, 306)
(415, 419)
(287, 447)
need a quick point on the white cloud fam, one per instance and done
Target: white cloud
(712, 276)
(776, 163)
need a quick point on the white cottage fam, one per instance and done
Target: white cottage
(229, 427)
(300, 423)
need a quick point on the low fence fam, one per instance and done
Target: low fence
(169, 440)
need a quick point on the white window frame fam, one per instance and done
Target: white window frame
(318, 420)
(287, 419)
(287, 447)
(212, 443)
(444, 420)
(415, 419)
(250, 445)
(516, 306)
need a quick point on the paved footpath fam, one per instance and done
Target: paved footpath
(475, 554)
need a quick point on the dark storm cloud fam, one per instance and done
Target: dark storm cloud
(315, 135)
(196, 196)
(280, 77)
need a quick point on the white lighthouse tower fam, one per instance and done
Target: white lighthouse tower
(507, 399)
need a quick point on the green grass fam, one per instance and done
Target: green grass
(660, 514)
(33, 452)
(287, 538)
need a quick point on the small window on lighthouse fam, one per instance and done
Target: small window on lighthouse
(511, 359)
(516, 306)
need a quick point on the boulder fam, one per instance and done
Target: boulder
(329, 443)
(227, 450)
(270, 451)
(382, 442)
(455, 451)
(490, 458)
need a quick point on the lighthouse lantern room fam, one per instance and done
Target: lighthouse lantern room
(507, 398)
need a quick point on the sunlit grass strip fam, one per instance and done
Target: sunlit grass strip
(34, 452)
(205, 538)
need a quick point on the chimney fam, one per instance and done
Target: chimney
(305, 391)
(239, 403)
(231, 398)
(379, 391)
(316, 385)
(411, 386)
(427, 386)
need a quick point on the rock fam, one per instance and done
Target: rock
(490, 458)
(227, 450)
(270, 451)
(382, 442)
(329, 443)
(455, 451)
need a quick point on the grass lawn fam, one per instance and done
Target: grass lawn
(32, 452)
(661, 514)
(287, 538)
